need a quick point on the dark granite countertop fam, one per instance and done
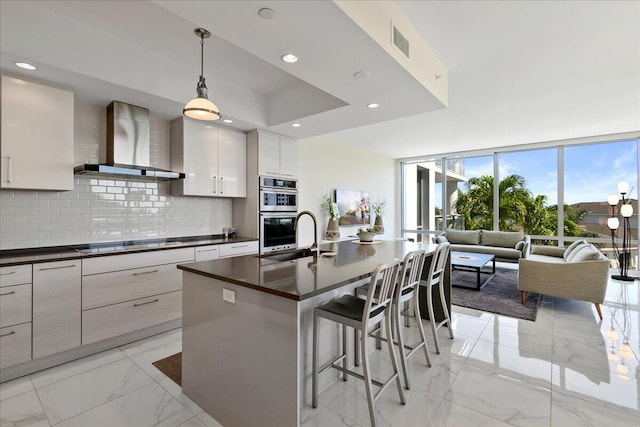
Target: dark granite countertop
(306, 277)
(61, 253)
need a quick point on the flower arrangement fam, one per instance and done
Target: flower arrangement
(378, 207)
(330, 207)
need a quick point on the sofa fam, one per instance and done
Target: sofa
(579, 271)
(507, 246)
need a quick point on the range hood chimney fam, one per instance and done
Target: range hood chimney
(128, 145)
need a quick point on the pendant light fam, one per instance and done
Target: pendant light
(200, 107)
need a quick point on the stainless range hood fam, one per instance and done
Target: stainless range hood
(128, 146)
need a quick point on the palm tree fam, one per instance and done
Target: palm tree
(476, 203)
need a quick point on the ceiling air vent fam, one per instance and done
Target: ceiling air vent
(400, 42)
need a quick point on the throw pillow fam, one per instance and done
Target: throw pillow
(586, 253)
(440, 239)
(572, 247)
(463, 237)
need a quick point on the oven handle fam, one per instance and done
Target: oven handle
(278, 214)
(277, 190)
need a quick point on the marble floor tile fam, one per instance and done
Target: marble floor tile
(23, 410)
(60, 372)
(452, 414)
(74, 395)
(15, 387)
(145, 359)
(328, 418)
(170, 338)
(526, 365)
(567, 411)
(499, 396)
(147, 406)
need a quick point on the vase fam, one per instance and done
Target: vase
(378, 226)
(333, 230)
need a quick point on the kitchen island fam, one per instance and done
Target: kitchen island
(247, 328)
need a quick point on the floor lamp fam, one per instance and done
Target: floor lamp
(623, 255)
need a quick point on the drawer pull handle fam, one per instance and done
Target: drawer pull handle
(208, 250)
(145, 272)
(6, 335)
(6, 273)
(240, 246)
(57, 268)
(145, 303)
(7, 293)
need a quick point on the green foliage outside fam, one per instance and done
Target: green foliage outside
(519, 209)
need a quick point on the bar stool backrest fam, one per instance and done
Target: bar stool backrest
(411, 271)
(383, 283)
(436, 269)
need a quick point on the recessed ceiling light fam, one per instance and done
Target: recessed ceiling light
(266, 13)
(228, 121)
(289, 58)
(373, 105)
(25, 66)
(295, 125)
(360, 75)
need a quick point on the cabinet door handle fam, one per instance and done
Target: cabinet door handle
(145, 272)
(6, 273)
(7, 293)
(221, 185)
(215, 185)
(57, 268)
(145, 303)
(6, 335)
(240, 246)
(9, 170)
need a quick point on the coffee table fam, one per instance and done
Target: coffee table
(470, 261)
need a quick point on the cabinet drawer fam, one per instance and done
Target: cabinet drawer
(113, 320)
(16, 275)
(15, 344)
(128, 261)
(15, 305)
(205, 253)
(110, 288)
(237, 249)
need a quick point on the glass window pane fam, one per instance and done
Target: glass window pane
(592, 172)
(471, 192)
(528, 191)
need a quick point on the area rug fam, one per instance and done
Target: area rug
(172, 367)
(500, 295)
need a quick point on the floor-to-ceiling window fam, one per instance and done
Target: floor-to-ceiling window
(556, 193)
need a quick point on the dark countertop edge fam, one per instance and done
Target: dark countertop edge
(58, 253)
(287, 295)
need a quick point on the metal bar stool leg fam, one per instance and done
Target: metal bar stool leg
(314, 375)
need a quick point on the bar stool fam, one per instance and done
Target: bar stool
(360, 314)
(406, 292)
(436, 278)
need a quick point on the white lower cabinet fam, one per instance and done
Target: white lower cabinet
(238, 249)
(206, 253)
(15, 344)
(129, 292)
(117, 319)
(56, 307)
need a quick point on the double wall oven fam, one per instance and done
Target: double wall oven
(278, 210)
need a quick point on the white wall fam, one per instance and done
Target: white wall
(327, 164)
(101, 209)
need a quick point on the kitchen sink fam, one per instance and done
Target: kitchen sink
(291, 255)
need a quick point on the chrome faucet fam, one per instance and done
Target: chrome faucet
(315, 227)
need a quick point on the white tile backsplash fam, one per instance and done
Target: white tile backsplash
(101, 209)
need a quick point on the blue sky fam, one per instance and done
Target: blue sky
(592, 171)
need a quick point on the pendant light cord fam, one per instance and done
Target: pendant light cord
(201, 55)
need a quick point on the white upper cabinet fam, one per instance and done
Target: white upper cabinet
(37, 136)
(232, 163)
(277, 155)
(212, 158)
